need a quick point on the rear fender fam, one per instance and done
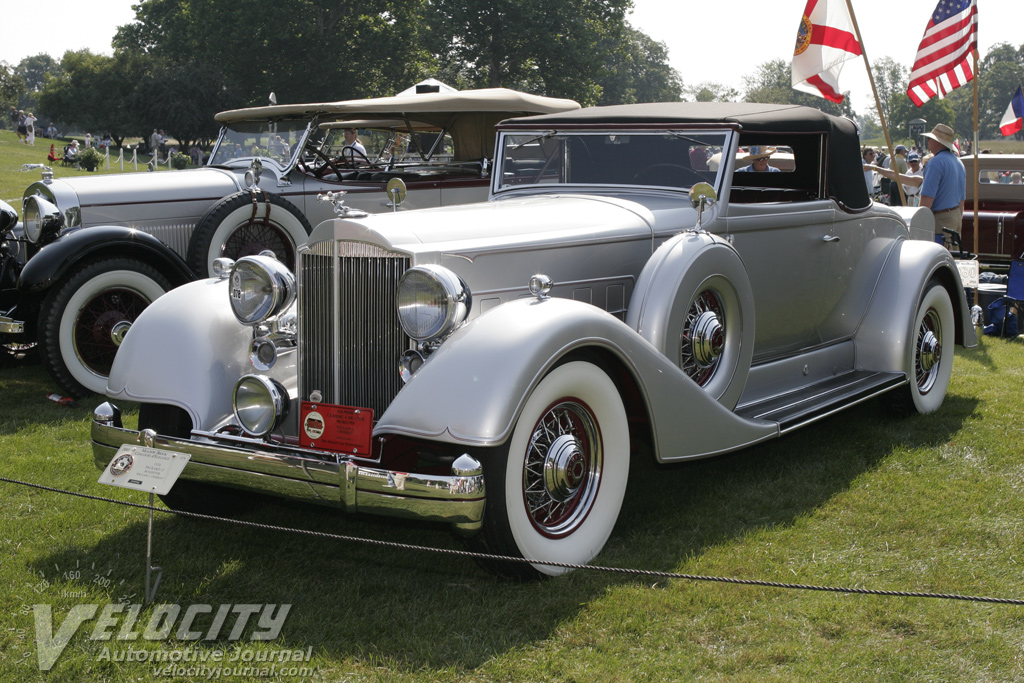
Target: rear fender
(471, 391)
(882, 337)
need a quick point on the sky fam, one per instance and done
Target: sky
(717, 42)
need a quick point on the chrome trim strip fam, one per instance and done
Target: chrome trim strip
(262, 467)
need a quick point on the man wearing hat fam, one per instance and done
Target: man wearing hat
(758, 158)
(944, 189)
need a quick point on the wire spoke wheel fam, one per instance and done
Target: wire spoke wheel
(250, 240)
(562, 469)
(928, 351)
(102, 324)
(702, 340)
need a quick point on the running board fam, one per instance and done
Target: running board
(816, 401)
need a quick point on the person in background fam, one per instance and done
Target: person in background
(758, 158)
(898, 163)
(22, 133)
(944, 189)
(868, 159)
(352, 140)
(30, 128)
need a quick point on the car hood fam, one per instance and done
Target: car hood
(121, 198)
(496, 225)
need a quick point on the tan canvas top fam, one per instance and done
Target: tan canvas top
(510, 102)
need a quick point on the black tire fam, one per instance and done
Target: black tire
(554, 489)
(84, 318)
(229, 229)
(194, 496)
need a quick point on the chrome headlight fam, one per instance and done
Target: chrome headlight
(260, 404)
(260, 288)
(43, 220)
(432, 301)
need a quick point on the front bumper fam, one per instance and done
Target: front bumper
(290, 472)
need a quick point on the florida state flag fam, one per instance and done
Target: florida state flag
(825, 41)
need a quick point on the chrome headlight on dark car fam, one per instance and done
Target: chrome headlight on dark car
(43, 220)
(432, 302)
(261, 287)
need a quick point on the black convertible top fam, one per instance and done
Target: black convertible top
(845, 175)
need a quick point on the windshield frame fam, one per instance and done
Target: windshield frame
(510, 140)
(229, 132)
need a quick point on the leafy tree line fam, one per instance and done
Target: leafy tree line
(181, 61)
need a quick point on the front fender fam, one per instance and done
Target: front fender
(55, 260)
(473, 388)
(186, 349)
(883, 335)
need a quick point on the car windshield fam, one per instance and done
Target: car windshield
(659, 158)
(276, 142)
(391, 144)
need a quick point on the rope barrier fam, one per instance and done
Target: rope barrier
(562, 565)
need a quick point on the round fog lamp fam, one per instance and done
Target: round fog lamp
(259, 404)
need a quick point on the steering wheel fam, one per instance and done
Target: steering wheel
(349, 155)
(321, 170)
(672, 170)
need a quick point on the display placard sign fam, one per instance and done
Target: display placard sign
(341, 429)
(970, 272)
(142, 468)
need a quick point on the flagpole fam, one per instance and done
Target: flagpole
(878, 103)
(977, 76)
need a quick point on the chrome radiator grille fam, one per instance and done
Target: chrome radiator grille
(350, 339)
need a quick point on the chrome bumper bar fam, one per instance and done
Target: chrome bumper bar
(9, 325)
(287, 472)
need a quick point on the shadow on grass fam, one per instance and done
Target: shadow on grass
(419, 610)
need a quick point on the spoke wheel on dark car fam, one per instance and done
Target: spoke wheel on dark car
(86, 316)
(235, 227)
(929, 354)
(556, 486)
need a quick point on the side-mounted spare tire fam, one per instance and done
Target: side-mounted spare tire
(244, 224)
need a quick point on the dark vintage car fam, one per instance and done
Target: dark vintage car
(1000, 208)
(492, 365)
(100, 249)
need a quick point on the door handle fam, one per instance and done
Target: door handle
(830, 238)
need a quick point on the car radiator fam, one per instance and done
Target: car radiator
(350, 339)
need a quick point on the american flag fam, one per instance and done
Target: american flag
(943, 58)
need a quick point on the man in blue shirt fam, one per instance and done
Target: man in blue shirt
(944, 189)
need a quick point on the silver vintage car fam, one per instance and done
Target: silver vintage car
(489, 365)
(100, 249)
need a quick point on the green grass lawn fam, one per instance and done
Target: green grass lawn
(928, 503)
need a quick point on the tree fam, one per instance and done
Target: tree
(11, 87)
(560, 48)
(712, 92)
(638, 71)
(302, 50)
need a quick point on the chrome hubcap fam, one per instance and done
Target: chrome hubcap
(708, 339)
(929, 352)
(564, 468)
(118, 331)
(562, 471)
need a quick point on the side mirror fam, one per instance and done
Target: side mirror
(702, 196)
